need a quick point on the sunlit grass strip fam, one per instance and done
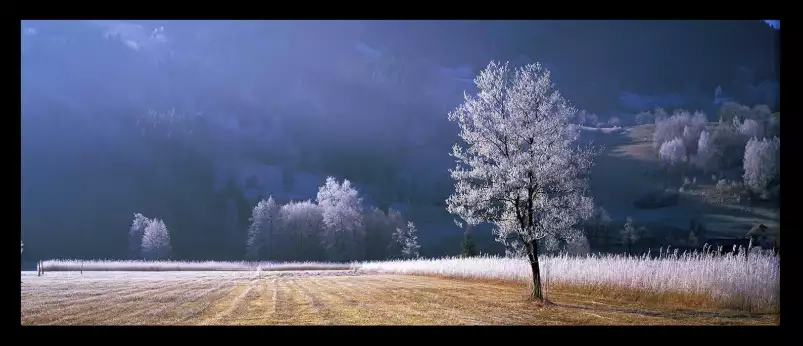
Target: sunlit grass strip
(115, 265)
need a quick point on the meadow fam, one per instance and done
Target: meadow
(670, 288)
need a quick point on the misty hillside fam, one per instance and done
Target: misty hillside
(195, 122)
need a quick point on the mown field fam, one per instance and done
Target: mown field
(691, 289)
(330, 298)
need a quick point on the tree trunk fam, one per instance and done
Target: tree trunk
(533, 255)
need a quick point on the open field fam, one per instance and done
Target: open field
(670, 288)
(330, 298)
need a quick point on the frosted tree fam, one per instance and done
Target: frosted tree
(705, 152)
(518, 166)
(264, 220)
(303, 221)
(673, 152)
(407, 240)
(728, 145)
(680, 125)
(342, 218)
(761, 162)
(135, 233)
(751, 128)
(156, 240)
(629, 235)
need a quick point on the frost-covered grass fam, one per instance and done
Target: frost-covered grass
(691, 279)
(703, 280)
(112, 265)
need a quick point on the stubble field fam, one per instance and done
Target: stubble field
(333, 297)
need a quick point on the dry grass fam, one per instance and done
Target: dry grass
(691, 279)
(331, 298)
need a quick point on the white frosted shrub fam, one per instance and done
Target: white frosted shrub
(761, 162)
(680, 125)
(751, 128)
(673, 152)
(156, 240)
(705, 152)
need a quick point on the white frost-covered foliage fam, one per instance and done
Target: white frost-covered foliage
(673, 152)
(135, 233)
(264, 221)
(583, 117)
(302, 223)
(737, 125)
(156, 240)
(301, 218)
(518, 167)
(761, 162)
(680, 125)
(408, 240)
(705, 151)
(342, 218)
(751, 128)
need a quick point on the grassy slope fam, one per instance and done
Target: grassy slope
(626, 170)
(242, 298)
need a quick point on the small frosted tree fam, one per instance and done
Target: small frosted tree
(629, 235)
(761, 162)
(342, 218)
(303, 221)
(673, 152)
(264, 219)
(680, 125)
(156, 240)
(135, 233)
(751, 128)
(408, 240)
(705, 157)
(518, 166)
